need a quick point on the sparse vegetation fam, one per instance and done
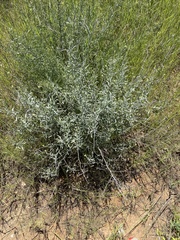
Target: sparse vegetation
(89, 94)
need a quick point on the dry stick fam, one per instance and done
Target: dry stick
(112, 175)
(144, 218)
(81, 166)
(35, 236)
(57, 236)
(158, 214)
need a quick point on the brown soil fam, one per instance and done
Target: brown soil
(140, 209)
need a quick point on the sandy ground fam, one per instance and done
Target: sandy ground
(140, 209)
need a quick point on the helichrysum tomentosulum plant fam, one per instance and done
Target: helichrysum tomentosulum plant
(85, 76)
(66, 126)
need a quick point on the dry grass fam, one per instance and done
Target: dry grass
(144, 208)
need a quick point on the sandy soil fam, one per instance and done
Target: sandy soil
(139, 209)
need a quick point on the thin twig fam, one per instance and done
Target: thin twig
(144, 218)
(159, 214)
(112, 175)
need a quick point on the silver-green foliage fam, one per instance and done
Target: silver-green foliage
(86, 69)
(79, 117)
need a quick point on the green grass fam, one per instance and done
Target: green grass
(80, 78)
